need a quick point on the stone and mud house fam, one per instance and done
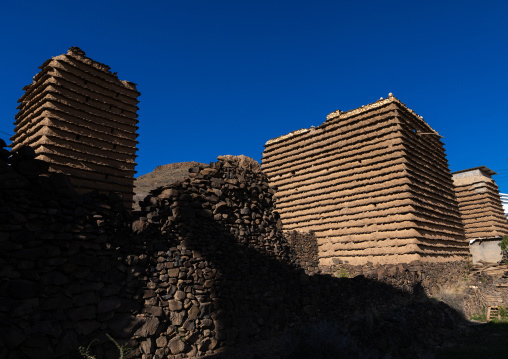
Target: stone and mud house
(81, 119)
(480, 203)
(372, 183)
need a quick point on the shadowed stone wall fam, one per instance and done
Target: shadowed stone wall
(204, 268)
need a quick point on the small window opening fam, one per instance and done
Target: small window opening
(112, 130)
(114, 146)
(77, 137)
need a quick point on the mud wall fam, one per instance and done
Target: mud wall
(479, 203)
(79, 117)
(371, 183)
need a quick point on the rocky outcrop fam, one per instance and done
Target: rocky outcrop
(160, 176)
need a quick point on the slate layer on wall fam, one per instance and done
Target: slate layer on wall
(79, 117)
(480, 203)
(371, 183)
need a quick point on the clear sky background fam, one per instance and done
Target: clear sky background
(223, 77)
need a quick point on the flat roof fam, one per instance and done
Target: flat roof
(342, 114)
(481, 168)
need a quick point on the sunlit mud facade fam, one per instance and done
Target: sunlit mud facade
(372, 183)
(480, 203)
(78, 116)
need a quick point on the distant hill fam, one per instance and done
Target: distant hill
(161, 176)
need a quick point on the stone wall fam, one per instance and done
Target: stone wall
(306, 249)
(204, 268)
(64, 276)
(372, 183)
(479, 203)
(81, 119)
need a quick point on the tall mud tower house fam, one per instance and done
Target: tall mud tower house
(480, 203)
(372, 183)
(78, 116)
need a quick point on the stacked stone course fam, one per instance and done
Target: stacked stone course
(79, 117)
(372, 183)
(479, 203)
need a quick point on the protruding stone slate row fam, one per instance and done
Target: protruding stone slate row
(82, 119)
(373, 185)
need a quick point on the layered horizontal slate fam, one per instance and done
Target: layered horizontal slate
(480, 203)
(372, 183)
(79, 117)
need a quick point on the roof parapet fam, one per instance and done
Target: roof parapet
(378, 103)
(291, 134)
(338, 114)
(484, 169)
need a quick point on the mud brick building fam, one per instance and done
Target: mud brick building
(78, 116)
(480, 203)
(372, 183)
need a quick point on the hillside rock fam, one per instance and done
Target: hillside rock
(161, 176)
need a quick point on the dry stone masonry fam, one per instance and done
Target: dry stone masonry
(203, 268)
(62, 276)
(479, 203)
(372, 183)
(81, 119)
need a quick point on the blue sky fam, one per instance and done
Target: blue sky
(223, 77)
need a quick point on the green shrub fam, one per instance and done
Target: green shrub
(504, 243)
(481, 317)
(341, 273)
(123, 350)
